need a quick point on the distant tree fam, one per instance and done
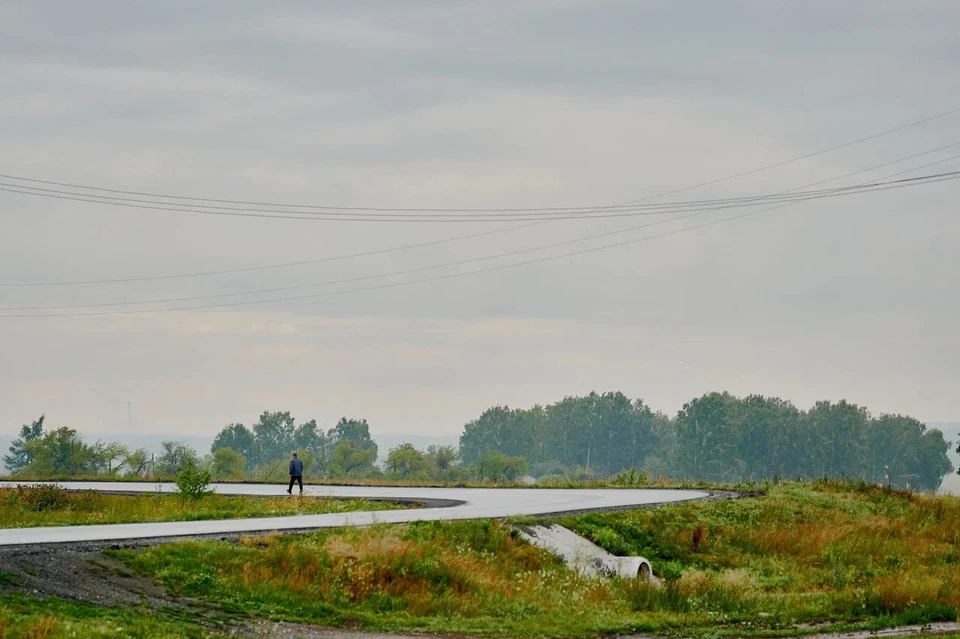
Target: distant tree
(174, 457)
(406, 462)
(355, 431)
(838, 439)
(496, 466)
(19, 457)
(61, 452)
(137, 462)
(932, 462)
(227, 464)
(111, 457)
(443, 457)
(235, 437)
(513, 432)
(273, 437)
(309, 438)
(707, 439)
(767, 429)
(349, 461)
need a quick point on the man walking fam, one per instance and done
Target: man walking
(296, 474)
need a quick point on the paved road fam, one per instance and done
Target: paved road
(442, 504)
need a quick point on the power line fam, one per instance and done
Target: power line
(453, 239)
(889, 185)
(678, 207)
(476, 210)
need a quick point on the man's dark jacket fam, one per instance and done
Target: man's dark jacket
(296, 468)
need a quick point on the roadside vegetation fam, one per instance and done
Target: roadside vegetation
(28, 618)
(50, 505)
(844, 554)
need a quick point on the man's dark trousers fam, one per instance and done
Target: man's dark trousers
(298, 479)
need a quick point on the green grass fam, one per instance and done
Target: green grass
(23, 507)
(24, 618)
(851, 556)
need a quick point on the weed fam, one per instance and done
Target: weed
(699, 538)
(43, 628)
(41, 498)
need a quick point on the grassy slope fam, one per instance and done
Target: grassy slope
(19, 508)
(832, 551)
(801, 554)
(850, 555)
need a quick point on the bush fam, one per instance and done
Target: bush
(42, 497)
(193, 481)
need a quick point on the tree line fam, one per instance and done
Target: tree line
(258, 453)
(717, 437)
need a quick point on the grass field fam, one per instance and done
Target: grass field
(828, 555)
(846, 554)
(22, 507)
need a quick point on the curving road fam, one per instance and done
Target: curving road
(441, 504)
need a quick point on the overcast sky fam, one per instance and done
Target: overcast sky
(475, 104)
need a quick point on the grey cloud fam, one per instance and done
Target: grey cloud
(476, 104)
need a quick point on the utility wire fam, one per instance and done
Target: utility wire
(474, 210)
(891, 185)
(453, 239)
(662, 209)
(580, 213)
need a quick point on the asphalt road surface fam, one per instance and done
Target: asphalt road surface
(439, 504)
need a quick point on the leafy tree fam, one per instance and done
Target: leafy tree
(138, 462)
(902, 453)
(838, 443)
(235, 437)
(310, 440)
(19, 457)
(932, 463)
(496, 466)
(110, 457)
(227, 464)
(406, 462)
(349, 461)
(273, 437)
(707, 439)
(174, 458)
(442, 458)
(60, 452)
(766, 426)
(354, 431)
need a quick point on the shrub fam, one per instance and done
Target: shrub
(193, 481)
(42, 497)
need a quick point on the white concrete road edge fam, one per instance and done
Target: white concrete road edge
(470, 503)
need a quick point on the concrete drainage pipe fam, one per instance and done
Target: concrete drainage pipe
(584, 556)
